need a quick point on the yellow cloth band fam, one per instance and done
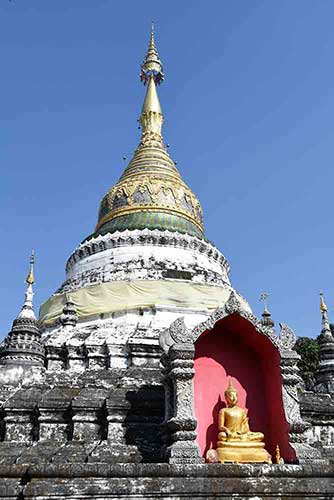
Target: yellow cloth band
(122, 295)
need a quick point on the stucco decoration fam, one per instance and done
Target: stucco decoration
(180, 422)
(145, 237)
(291, 389)
(178, 331)
(178, 336)
(234, 305)
(287, 337)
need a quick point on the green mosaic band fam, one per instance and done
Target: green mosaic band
(150, 220)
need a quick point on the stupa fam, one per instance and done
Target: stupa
(147, 262)
(115, 391)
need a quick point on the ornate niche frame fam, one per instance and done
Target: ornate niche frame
(178, 344)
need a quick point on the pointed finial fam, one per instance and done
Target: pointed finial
(266, 315)
(278, 455)
(324, 318)
(323, 307)
(30, 280)
(263, 298)
(152, 66)
(27, 310)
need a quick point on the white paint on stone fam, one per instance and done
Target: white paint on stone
(146, 254)
(323, 434)
(18, 374)
(132, 256)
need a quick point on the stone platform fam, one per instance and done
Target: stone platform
(139, 481)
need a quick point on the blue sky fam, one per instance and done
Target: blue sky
(248, 101)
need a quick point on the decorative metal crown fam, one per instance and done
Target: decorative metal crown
(152, 65)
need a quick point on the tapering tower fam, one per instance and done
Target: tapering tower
(147, 261)
(151, 193)
(22, 346)
(325, 372)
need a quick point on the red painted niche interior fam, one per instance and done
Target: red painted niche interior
(234, 348)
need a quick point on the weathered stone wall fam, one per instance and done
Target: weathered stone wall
(76, 418)
(137, 481)
(115, 418)
(318, 410)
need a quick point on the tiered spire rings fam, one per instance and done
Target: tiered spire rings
(23, 343)
(325, 374)
(152, 65)
(151, 193)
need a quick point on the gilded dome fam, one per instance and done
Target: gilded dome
(151, 193)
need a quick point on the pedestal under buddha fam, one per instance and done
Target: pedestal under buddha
(236, 442)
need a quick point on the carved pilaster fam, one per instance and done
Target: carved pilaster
(290, 392)
(182, 423)
(97, 356)
(20, 416)
(86, 424)
(117, 408)
(89, 415)
(116, 448)
(55, 422)
(117, 356)
(54, 419)
(77, 357)
(56, 357)
(143, 353)
(168, 389)
(19, 424)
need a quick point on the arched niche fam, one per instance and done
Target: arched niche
(234, 348)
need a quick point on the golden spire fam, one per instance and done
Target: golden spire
(31, 278)
(27, 310)
(151, 193)
(151, 117)
(325, 323)
(151, 101)
(323, 307)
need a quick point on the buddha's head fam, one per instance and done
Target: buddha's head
(231, 394)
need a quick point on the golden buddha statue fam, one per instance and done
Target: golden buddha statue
(236, 442)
